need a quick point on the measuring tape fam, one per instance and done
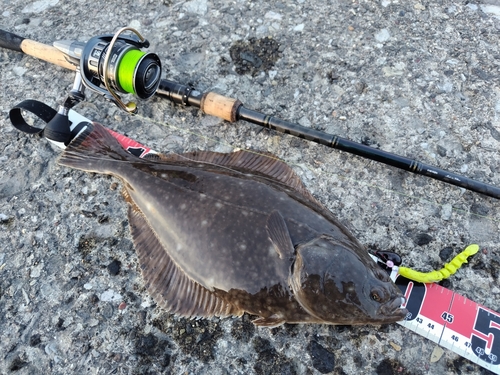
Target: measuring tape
(451, 321)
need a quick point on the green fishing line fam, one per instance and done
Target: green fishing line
(127, 68)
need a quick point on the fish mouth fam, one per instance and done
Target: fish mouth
(394, 309)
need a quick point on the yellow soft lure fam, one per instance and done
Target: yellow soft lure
(448, 269)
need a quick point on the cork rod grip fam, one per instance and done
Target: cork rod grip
(46, 53)
(220, 106)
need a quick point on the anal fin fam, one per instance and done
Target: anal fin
(169, 286)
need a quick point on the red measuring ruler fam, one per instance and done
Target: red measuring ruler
(452, 321)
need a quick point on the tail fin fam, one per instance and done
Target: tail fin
(93, 149)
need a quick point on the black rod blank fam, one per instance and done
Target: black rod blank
(367, 152)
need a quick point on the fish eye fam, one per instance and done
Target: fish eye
(375, 296)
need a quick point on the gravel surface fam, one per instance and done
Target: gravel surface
(417, 78)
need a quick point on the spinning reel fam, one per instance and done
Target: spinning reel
(116, 63)
(106, 64)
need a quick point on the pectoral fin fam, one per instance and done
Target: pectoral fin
(279, 235)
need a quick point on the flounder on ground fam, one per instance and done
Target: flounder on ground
(223, 234)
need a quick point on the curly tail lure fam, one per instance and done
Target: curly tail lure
(438, 275)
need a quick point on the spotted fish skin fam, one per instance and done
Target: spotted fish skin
(224, 234)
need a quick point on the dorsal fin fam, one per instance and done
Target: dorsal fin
(266, 164)
(169, 286)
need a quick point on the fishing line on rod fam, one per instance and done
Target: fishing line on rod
(163, 124)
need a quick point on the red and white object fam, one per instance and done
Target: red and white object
(132, 146)
(452, 321)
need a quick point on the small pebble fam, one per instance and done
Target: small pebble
(93, 299)
(35, 340)
(4, 218)
(299, 27)
(382, 36)
(19, 71)
(423, 239)
(446, 211)
(395, 346)
(323, 360)
(445, 254)
(437, 353)
(110, 296)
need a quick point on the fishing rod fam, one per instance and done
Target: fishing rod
(108, 64)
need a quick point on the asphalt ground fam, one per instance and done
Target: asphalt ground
(420, 79)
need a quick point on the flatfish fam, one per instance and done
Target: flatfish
(224, 234)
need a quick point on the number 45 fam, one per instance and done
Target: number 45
(447, 317)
